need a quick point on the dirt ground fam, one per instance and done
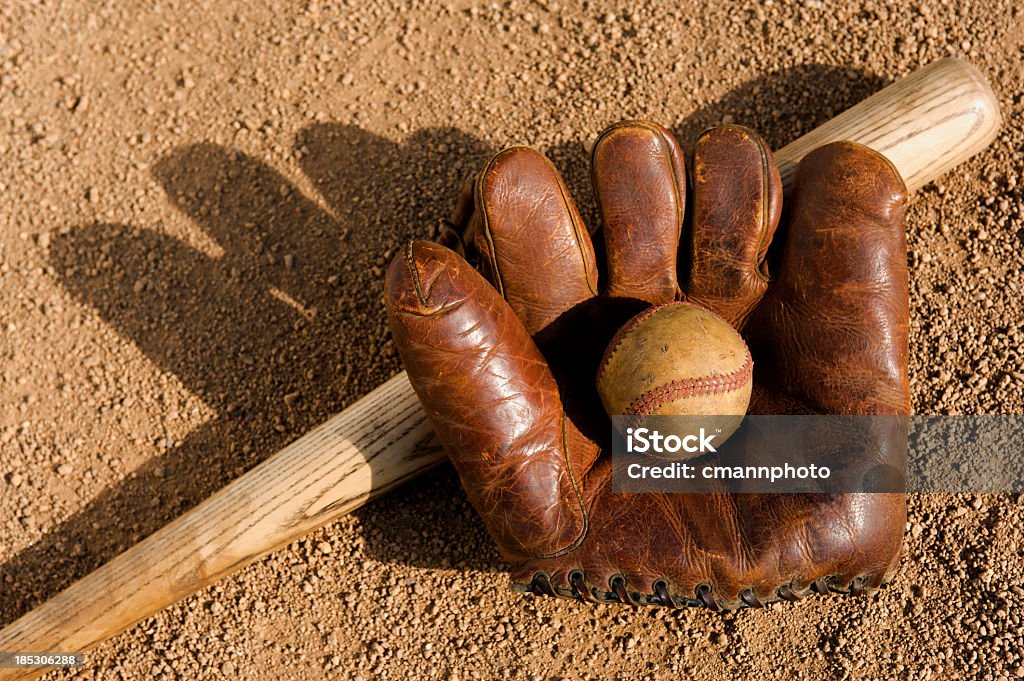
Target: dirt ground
(196, 205)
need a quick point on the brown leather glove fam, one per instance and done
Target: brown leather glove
(504, 362)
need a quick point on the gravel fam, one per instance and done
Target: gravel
(197, 207)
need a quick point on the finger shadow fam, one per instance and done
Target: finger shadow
(428, 523)
(275, 326)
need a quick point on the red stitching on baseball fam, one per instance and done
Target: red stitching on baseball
(630, 326)
(654, 398)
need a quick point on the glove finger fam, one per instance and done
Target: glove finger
(737, 200)
(491, 399)
(640, 183)
(531, 241)
(833, 331)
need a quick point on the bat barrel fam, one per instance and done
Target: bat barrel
(926, 123)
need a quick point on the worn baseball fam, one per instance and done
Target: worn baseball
(677, 359)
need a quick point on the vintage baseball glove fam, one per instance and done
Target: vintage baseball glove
(503, 357)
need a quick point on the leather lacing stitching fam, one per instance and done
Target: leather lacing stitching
(703, 596)
(708, 600)
(579, 586)
(618, 585)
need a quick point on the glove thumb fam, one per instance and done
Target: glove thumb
(491, 398)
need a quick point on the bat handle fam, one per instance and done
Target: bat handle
(927, 123)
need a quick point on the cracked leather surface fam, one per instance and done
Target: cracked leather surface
(503, 356)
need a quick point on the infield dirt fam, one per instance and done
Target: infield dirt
(196, 206)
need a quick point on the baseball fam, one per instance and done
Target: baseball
(677, 359)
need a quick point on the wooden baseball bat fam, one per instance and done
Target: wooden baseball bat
(926, 123)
